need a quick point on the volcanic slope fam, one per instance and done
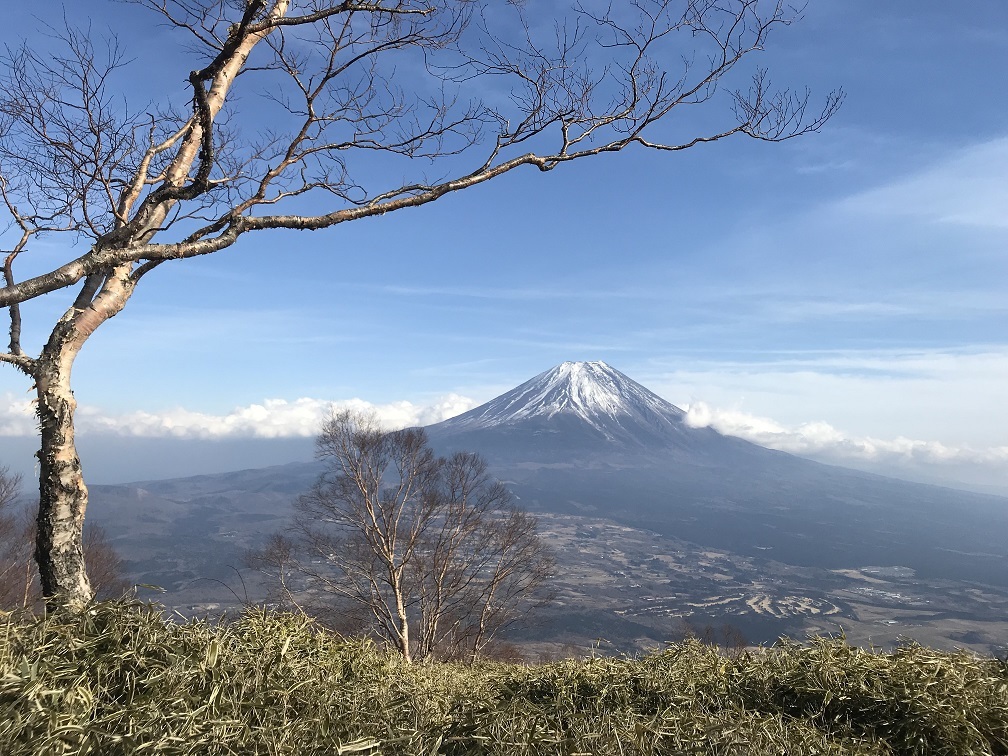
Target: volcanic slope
(583, 438)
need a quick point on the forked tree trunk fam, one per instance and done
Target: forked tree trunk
(63, 494)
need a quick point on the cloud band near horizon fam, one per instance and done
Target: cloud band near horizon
(823, 441)
(300, 418)
(269, 419)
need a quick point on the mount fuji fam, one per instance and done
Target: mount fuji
(577, 409)
(584, 438)
(591, 393)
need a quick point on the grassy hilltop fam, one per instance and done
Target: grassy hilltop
(122, 680)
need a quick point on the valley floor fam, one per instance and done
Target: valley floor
(653, 589)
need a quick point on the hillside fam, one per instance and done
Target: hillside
(657, 524)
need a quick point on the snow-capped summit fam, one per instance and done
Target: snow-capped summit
(591, 397)
(591, 391)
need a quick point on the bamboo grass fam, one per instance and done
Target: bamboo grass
(120, 679)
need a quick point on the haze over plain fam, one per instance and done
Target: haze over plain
(841, 295)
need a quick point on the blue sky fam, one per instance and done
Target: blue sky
(841, 295)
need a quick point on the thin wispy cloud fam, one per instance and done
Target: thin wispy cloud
(966, 189)
(979, 361)
(512, 294)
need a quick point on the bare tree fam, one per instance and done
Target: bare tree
(138, 188)
(19, 579)
(15, 551)
(429, 552)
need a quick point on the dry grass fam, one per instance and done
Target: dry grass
(121, 680)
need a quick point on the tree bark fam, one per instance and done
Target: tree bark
(63, 495)
(403, 619)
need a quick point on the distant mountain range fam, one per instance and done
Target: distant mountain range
(582, 443)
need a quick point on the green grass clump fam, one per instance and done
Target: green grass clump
(119, 679)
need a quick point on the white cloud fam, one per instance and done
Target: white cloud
(17, 416)
(935, 415)
(825, 442)
(272, 418)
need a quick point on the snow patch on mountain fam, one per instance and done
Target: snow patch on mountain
(593, 392)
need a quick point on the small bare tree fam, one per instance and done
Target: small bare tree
(133, 188)
(15, 552)
(429, 552)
